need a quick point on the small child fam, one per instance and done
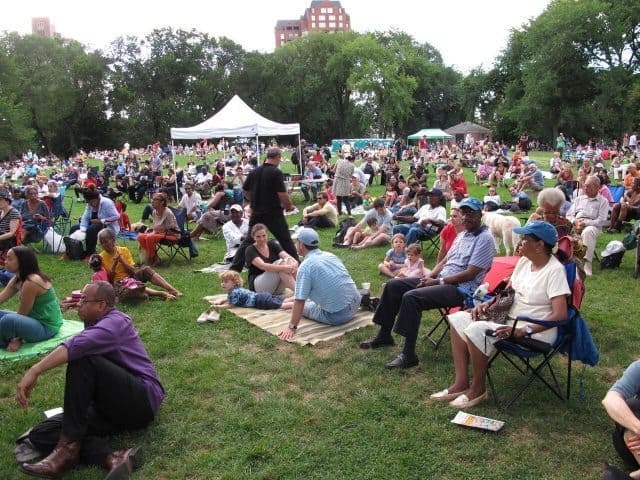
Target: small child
(366, 200)
(390, 196)
(100, 273)
(360, 238)
(231, 282)
(395, 257)
(414, 264)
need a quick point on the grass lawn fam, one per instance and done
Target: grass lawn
(243, 405)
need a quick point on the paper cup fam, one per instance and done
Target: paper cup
(366, 286)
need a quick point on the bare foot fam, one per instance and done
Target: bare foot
(14, 345)
(168, 297)
(177, 293)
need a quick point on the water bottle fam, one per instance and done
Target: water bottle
(479, 294)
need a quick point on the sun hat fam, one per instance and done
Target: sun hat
(540, 229)
(307, 236)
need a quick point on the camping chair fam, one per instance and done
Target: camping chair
(433, 244)
(501, 269)
(532, 358)
(60, 221)
(180, 245)
(617, 192)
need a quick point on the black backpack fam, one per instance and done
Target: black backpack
(342, 229)
(612, 261)
(74, 248)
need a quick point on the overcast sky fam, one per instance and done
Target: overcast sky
(468, 33)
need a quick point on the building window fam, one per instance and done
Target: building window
(330, 10)
(340, 18)
(322, 25)
(313, 18)
(282, 36)
(332, 18)
(323, 10)
(332, 24)
(313, 24)
(321, 18)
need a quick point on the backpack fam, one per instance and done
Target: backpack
(630, 241)
(612, 261)
(342, 229)
(74, 248)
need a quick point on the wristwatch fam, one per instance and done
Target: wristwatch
(292, 326)
(441, 280)
(528, 331)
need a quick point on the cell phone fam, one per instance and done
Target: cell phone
(490, 333)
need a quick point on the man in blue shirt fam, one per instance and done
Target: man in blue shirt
(312, 172)
(465, 265)
(623, 406)
(325, 292)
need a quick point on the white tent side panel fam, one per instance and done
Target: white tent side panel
(236, 119)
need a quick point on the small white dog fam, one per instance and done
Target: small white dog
(501, 228)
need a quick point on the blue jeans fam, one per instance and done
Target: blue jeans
(413, 232)
(315, 312)
(28, 329)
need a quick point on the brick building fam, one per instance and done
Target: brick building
(42, 26)
(321, 16)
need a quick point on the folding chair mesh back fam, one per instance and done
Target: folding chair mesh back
(501, 269)
(179, 246)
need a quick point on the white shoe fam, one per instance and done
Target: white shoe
(588, 268)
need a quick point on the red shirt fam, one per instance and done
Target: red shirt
(460, 184)
(448, 234)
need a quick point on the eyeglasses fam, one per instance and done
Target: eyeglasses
(84, 300)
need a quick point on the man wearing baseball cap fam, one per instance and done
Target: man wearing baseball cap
(429, 219)
(325, 292)
(465, 265)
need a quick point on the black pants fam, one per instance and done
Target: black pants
(277, 225)
(618, 436)
(100, 399)
(91, 240)
(401, 298)
(346, 202)
(321, 221)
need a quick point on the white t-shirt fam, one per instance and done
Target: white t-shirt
(535, 289)
(428, 213)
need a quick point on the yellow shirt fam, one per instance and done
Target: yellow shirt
(107, 262)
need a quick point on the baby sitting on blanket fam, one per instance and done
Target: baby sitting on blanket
(231, 282)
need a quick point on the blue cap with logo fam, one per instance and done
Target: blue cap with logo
(471, 203)
(539, 229)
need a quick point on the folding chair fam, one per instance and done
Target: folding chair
(433, 244)
(533, 358)
(180, 245)
(501, 269)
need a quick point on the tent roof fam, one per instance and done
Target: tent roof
(431, 134)
(465, 127)
(236, 119)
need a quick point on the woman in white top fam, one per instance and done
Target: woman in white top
(541, 290)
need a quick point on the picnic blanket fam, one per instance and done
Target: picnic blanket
(69, 329)
(309, 332)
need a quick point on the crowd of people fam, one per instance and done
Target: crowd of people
(251, 207)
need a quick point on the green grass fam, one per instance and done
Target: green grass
(243, 405)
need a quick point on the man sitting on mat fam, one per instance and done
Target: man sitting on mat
(325, 292)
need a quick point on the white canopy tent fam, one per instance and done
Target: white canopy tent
(235, 119)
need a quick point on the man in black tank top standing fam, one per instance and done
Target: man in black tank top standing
(267, 194)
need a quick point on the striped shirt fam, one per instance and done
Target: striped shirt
(323, 278)
(470, 248)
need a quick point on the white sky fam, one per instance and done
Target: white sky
(468, 33)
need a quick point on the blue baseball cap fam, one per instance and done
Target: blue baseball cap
(471, 203)
(435, 192)
(307, 236)
(539, 229)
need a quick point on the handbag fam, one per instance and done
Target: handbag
(498, 308)
(130, 289)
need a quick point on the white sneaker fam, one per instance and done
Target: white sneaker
(588, 268)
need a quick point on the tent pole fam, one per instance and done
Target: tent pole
(175, 168)
(300, 164)
(258, 147)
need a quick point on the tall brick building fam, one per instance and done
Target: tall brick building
(42, 26)
(321, 16)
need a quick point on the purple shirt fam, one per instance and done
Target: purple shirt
(115, 338)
